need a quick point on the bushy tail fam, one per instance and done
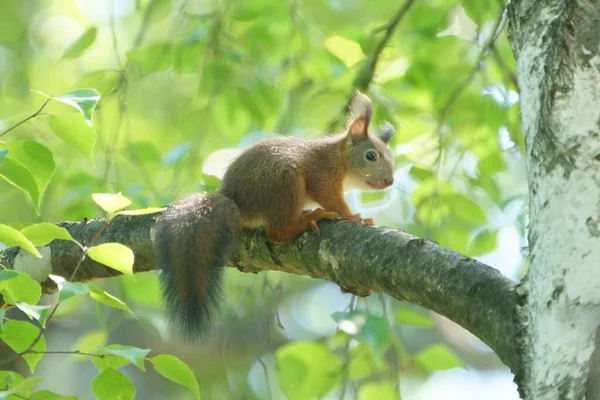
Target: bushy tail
(193, 239)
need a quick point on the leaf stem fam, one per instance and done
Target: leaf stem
(73, 352)
(35, 114)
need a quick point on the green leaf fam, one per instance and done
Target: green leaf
(8, 380)
(80, 45)
(17, 287)
(438, 357)
(347, 51)
(144, 151)
(107, 299)
(480, 12)
(376, 333)
(69, 289)
(378, 391)
(364, 361)
(36, 158)
(113, 255)
(372, 329)
(111, 203)
(371, 196)
(408, 316)
(210, 183)
(421, 173)
(492, 164)
(19, 335)
(485, 241)
(48, 395)
(151, 59)
(38, 312)
(12, 237)
(111, 384)
(25, 386)
(453, 235)
(114, 362)
(18, 175)
(3, 154)
(133, 354)
(90, 341)
(104, 82)
(177, 371)
(143, 211)
(73, 130)
(307, 369)
(427, 197)
(142, 289)
(466, 209)
(6, 274)
(42, 234)
(84, 100)
(246, 11)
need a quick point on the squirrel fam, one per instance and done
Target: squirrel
(270, 185)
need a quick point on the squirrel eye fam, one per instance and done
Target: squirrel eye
(371, 156)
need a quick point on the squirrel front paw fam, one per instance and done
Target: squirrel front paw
(360, 219)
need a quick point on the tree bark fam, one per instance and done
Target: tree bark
(556, 44)
(361, 259)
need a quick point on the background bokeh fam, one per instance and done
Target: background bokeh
(186, 84)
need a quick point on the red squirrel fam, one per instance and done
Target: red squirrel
(268, 185)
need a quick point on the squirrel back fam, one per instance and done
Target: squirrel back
(270, 185)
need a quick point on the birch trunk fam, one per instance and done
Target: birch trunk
(556, 44)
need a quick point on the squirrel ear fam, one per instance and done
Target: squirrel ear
(386, 132)
(361, 111)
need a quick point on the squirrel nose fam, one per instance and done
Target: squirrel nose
(388, 181)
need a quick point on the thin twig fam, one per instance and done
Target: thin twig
(395, 367)
(364, 78)
(35, 114)
(443, 111)
(266, 371)
(365, 75)
(35, 341)
(124, 84)
(511, 75)
(346, 354)
(113, 30)
(145, 23)
(476, 67)
(74, 352)
(86, 250)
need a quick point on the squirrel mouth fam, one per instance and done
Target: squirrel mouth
(377, 185)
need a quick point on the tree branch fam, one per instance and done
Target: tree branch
(360, 259)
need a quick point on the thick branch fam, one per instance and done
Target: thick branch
(361, 259)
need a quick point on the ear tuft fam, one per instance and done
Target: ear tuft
(360, 115)
(386, 132)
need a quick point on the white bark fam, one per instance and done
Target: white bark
(558, 66)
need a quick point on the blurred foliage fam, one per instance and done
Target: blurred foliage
(149, 98)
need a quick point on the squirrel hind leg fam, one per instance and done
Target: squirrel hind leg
(306, 221)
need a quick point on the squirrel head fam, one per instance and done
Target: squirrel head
(371, 162)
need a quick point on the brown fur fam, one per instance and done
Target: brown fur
(270, 184)
(271, 181)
